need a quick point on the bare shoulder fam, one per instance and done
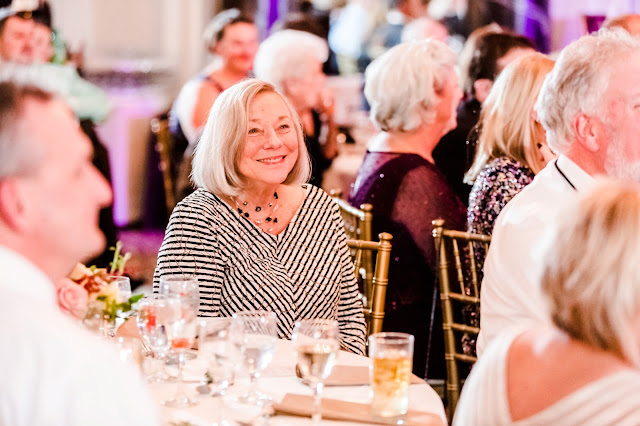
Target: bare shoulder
(545, 366)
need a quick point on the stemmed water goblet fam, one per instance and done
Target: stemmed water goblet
(220, 354)
(259, 336)
(317, 344)
(184, 287)
(181, 327)
(152, 324)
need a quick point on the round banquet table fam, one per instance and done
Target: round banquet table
(277, 380)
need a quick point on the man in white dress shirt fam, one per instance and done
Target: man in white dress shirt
(52, 370)
(589, 106)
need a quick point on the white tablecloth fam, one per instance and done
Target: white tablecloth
(277, 380)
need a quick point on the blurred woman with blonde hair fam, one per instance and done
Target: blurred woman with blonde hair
(512, 147)
(584, 368)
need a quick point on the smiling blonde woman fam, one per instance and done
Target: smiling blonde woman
(255, 235)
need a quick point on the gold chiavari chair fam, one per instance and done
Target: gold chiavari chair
(459, 270)
(357, 222)
(358, 226)
(374, 313)
(160, 128)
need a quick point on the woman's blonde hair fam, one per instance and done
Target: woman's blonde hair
(219, 150)
(591, 278)
(507, 127)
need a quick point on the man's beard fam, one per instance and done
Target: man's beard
(617, 164)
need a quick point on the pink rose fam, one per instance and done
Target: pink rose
(72, 298)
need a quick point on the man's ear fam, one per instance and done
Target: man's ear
(588, 131)
(481, 88)
(12, 205)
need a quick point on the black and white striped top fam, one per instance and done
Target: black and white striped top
(303, 272)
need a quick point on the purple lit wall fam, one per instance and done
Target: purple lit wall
(126, 134)
(272, 13)
(268, 12)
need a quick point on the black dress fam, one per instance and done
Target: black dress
(319, 163)
(456, 150)
(407, 192)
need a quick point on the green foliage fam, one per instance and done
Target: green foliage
(112, 308)
(119, 261)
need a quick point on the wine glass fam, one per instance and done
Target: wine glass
(181, 327)
(124, 287)
(152, 320)
(123, 284)
(259, 336)
(317, 344)
(221, 354)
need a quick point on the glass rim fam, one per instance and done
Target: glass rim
(392, 336)
(178, 277)
(323, 321)
(214, 320)
(253, 314)
(112, 278)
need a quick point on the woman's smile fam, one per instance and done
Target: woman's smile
(273, 160)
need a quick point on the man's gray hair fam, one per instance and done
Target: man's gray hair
(288, 54)
(402, 85)
(579, 81)
(16, 152)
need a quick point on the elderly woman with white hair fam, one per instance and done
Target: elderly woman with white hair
(292, 61)
(253, 233)
(413, 92)
(584, 368)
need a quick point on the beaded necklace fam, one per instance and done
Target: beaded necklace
(270, 219)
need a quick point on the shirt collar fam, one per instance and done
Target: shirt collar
(578, 177)
(21, 275)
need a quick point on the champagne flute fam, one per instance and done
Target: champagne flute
(220, 353)
(317, 344)
(259, 336)
(181, 331)
(152, 324)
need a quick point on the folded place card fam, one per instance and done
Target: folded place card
(348, 375)
(333, 409)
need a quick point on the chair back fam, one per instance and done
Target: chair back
(357, 222)
(458, 274)
(160, 128)
(374, 310)
(358, 226)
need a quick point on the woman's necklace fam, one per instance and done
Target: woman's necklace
(270, 219)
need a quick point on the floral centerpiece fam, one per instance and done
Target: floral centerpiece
(89, 288)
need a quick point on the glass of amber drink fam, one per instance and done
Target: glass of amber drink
(390, 373)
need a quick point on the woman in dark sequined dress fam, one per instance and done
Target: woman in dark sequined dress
(512, 145)
(413, 93)
(512, 148)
